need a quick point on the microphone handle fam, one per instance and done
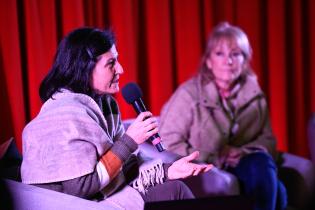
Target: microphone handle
(156, 141)
(138, 105)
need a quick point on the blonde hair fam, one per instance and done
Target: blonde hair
(225, 31)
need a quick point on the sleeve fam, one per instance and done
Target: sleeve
(175, 122)
(265, 139)
(85, 186)
(110, 164)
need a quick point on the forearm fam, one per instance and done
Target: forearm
(110, 164)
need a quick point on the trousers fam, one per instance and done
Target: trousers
(257, 174)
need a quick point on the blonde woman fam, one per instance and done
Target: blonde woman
(222, 112)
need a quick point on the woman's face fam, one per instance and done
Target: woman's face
(105, 75)
(226, 61)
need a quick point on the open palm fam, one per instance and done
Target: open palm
(184, 168)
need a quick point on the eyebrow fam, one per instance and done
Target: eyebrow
(109, 61)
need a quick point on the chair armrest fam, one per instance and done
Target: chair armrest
(304, 167)
(298, 176)
(148, 150)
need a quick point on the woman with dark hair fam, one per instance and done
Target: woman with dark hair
(222, 113)
(77, 143)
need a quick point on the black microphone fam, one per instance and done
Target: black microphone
(132, 94)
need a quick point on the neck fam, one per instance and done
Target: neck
(226, 88)
(223, 85)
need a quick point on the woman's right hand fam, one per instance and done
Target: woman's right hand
(143, 127)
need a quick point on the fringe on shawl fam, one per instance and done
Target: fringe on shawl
(150, 174)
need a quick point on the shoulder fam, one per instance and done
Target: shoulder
(186, 91)
(252, 85)
(70, 101)
(184, 98)
(251, 93)
(251, 90)
(65, 107)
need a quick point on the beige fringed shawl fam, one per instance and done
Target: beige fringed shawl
(69, 135)
(150, 174)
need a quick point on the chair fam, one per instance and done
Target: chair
(15, 195)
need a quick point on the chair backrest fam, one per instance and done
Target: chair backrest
(311, 136)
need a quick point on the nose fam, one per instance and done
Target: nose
(229, 60)
(119, 68)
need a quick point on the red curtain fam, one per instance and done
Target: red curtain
(160, 43)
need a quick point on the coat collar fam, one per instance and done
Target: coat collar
(209, 95)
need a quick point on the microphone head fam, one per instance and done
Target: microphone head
(131, 92)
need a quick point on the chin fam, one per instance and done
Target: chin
(114, 90)
(108, 91)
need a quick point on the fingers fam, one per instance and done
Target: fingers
(208, 167)
(146, 120)
(142, 116)
(150, 123)
(152, 132)
(143, 127)
(192, 156)
(203, 168)
(197, 171)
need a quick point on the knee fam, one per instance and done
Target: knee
(182, 190)
(282, 198)
(227, 183)
(219, 182)
(259, 162)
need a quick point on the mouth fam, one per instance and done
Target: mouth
(115, 79)
(229, 70)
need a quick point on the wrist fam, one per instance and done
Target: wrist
(123, 147)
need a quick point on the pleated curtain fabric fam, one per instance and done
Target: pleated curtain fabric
(160, 43)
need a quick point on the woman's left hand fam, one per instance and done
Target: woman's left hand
(184, 168)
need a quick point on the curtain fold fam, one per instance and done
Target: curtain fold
(13, 109)
(160, 43)
(276, 68)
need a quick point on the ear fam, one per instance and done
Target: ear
(209, 63)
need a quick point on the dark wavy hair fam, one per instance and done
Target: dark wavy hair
(75, 60)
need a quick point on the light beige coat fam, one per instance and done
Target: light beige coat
(194, 118)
